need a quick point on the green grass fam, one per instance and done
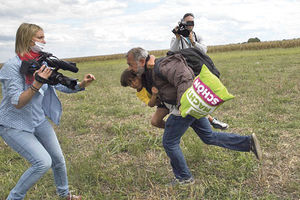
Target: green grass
(112, 152)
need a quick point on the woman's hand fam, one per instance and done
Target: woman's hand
(44, 72)
(176, 34)
(87, 80)
(191, 37)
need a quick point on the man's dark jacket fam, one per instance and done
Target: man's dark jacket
(178, 77)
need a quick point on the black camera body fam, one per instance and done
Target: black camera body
(30, 66)
(182, 29)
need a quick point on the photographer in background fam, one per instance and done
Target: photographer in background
(187, 38)
(24, 109)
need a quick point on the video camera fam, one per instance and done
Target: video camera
(182, 28)
(30, 66)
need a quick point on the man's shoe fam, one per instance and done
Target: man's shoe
(255, 147)
(182, 182)
(73, 197)
(218, 124)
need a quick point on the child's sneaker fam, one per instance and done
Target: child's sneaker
(181, 182)
(218, 124)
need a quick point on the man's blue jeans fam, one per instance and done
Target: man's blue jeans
(42, 150)
(176, 126)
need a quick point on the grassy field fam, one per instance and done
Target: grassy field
(112, 152)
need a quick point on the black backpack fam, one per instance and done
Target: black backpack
(194, 58)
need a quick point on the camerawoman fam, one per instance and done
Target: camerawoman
(29, 101)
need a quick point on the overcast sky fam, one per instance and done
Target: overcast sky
(77, 28)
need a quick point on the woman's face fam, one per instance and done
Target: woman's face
(39, 37)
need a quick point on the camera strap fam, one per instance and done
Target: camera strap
(195, 37)
(42, 80)
(182, 40)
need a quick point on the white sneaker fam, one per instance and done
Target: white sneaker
(218, 124)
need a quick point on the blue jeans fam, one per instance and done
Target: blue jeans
(176, 126)
(41, 148)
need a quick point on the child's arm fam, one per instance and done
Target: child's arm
(153, 99)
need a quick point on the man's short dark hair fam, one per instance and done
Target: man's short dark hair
(126, 77)
(187, 14)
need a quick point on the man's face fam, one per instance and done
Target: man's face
(135, 66)
(189, 18)
(132, 64)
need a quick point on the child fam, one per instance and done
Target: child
(129, 78)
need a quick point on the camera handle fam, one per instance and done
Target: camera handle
(40, 79)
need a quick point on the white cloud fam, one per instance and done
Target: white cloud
(76, 28)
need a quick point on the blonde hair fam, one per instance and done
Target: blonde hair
(24, 36)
